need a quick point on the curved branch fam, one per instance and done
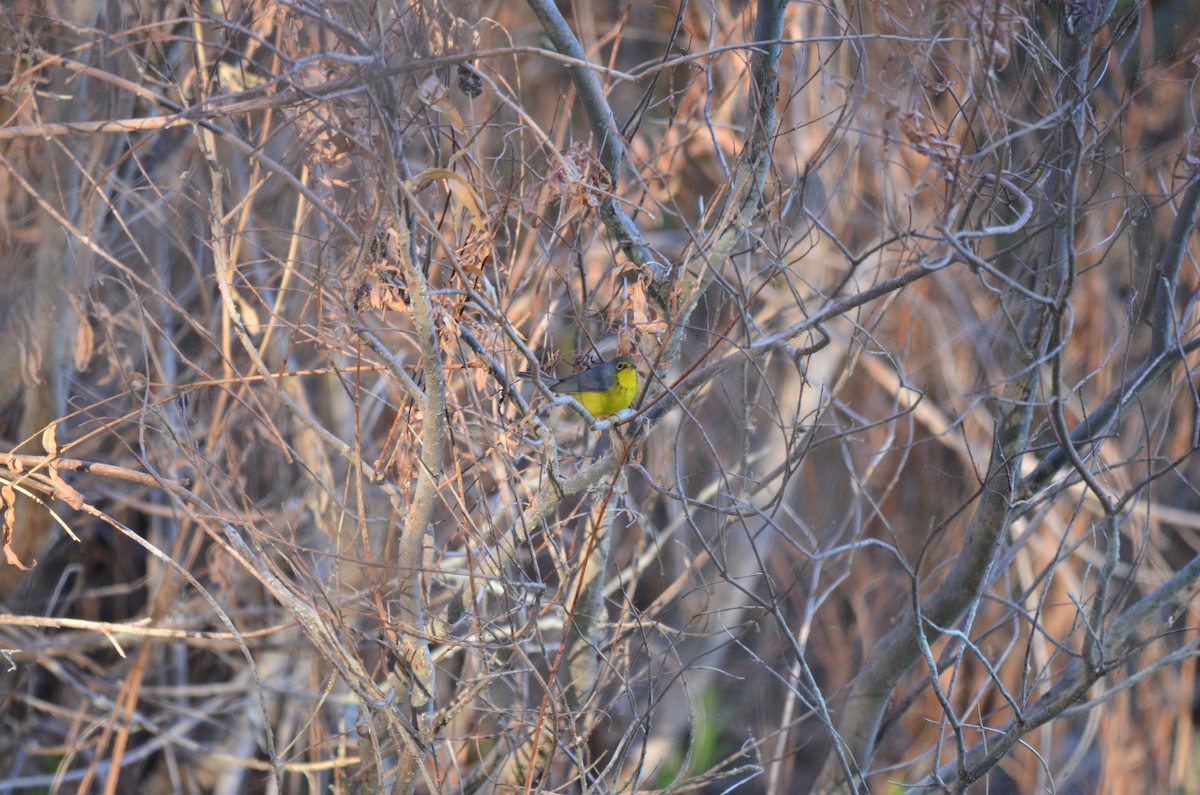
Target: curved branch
(605, 130)
(1168, 280)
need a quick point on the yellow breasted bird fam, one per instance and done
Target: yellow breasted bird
(603, 389)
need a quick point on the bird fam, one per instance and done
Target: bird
(603, 389)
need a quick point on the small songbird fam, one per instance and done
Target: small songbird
(603, 389)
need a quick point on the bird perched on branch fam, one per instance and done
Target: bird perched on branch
(602, 389)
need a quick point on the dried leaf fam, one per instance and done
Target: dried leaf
(436, 95)
(50, 439)
(386, 296)
(579, 181)
(642, 314)
(250, 317)
(459, 188)
(469, 83)
(31, 362)
(8, 522)
(473, 254)
(64, 490)
(85, 343)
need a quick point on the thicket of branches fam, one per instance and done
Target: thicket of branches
(909, 494)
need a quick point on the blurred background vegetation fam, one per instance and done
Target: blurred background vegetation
(909, 499)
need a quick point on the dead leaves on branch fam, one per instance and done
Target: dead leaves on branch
(941, 153)
(48, 479)
(640, 313)
(8, 523)
(578, 182)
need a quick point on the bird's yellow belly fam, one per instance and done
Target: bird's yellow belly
(601, 404)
